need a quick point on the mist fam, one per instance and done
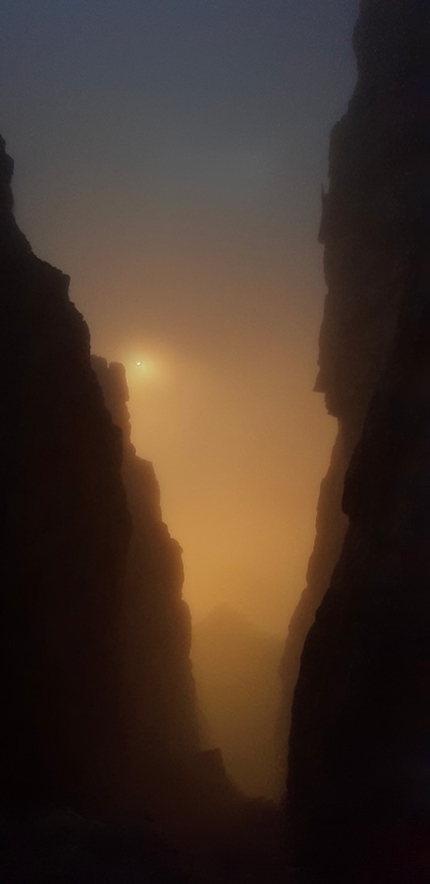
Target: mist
(176, 179)
(214, 613)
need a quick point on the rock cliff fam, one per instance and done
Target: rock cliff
(377, 161)
(64, 537)
(358, 786)
(158, 689)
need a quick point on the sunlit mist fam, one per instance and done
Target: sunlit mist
(239, 443)
(174, 170)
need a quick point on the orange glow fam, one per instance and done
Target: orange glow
(145, 368)
(239, 454)
(239, 443)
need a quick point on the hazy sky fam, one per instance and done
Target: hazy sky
(169, 156)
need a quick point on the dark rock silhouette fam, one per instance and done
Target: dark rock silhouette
(96, 675)
(375, 170)
(358, 788)
(236, 667)
(331, 524)
(158, 703)
(64, 538)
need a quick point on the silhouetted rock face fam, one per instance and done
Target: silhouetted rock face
(358, 786)
(378, 178)
(64, 535)
(331, 524)
(158, 688)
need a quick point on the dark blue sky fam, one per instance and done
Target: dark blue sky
(169, 155)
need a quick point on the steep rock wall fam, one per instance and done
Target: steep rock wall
(63, 541)
(159, 702)
(358, 787)
(377, 162)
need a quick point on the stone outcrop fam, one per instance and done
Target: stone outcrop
(358, 784)
(158, 694)
(64, 538)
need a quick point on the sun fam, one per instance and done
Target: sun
(147, 366)
(144, 368)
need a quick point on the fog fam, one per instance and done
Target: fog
(233, 444)
(239, 443)
(215, 636)
(236, 668)
(174, 168)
